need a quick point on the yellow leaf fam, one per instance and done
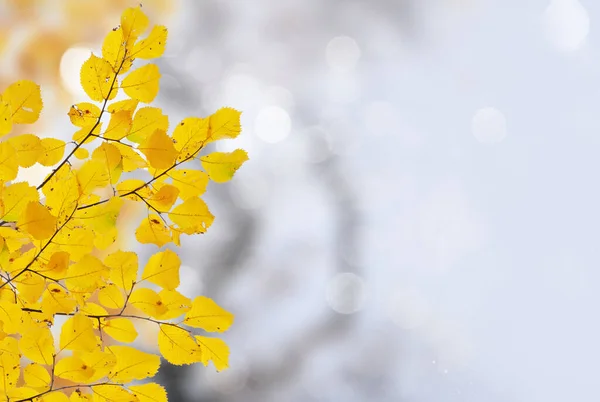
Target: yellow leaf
(120, 329)
(9, 364)
(148, 301)
(119, 125)
(176, 304)
(57, 300)
(97, 78)
(177, 345)
(221, 166)
(91, 175)
(53, 151)
(153, 230)
(30, 286)
(192, 216)
(133, 23)
(142, 84)
(164, 198)
(162, 269)
(78, 242)
(111, 297)
(77, 333)
(10, 317)
(145, 122)
(56, 396)
(131, 158)
(9, 165)
(110, 156)
(190, 135)
(150, 392)
(36, 376)
(5, 117)
(111, 393)
(84, 114)
(56, 268)
(74, 369)
(100, 362)
(128, 104)
(21, 393)
(81, 153)
(117, 51)
(62, 193)
(159, 150)
(86, 275)
(28, 148)
(224, 123)
(215, 350)
(37, 221)
(37, 345)
(123, 268)
(191, 183)
(133, 185)
(16, 198)
(132, 364)
(25, 100)
(206, 314)
(153, 46)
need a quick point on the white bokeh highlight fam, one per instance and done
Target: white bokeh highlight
(408, 309)
(70, 67)
(346, 293)
(566, 24)
(342, 54)
(273, 124)
(488, 125)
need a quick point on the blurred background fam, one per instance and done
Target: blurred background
(419, 217)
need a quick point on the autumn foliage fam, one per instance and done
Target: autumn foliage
(70, 298)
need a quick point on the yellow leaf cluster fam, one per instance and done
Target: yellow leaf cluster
(58, 254)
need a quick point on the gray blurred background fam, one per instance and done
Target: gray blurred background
(418, 220)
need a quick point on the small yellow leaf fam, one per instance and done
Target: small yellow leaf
(153, 230)
(119, 125)
(10, 317)
(110, 156)
(77, 333)
(128, 104)
(36, 376)
(73, 368)
(149, 392)
(28, 148)
(5, 117)
(145, 122)
(110, 296)
(111, 393)
(123, 268)
(159, 150)
(120, 329)
(97, 78)
(190, 135)
(192, 216)
(177, 345)
(142, 84)
(25, 100)
(86, 275)
(37, 221)
(117, 51)
(81, 153)
(9, 165)
(91, 175)
(37, 345)
(133, 185)
(148, 301)
(162, 269)
(164, 198)
(16, 197)
(9, 364)
(206, 314)
(132, 364)
(133, 23)
(30, 286)
(176, 304)
(221, 166)
(224, 123)
(153, 46)
(57, 300)
(53, 151)
(84, 114)
(215, 350)
(78, 242)
(191, 183)
(57, 265)
(56, 396)
(131, 158)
